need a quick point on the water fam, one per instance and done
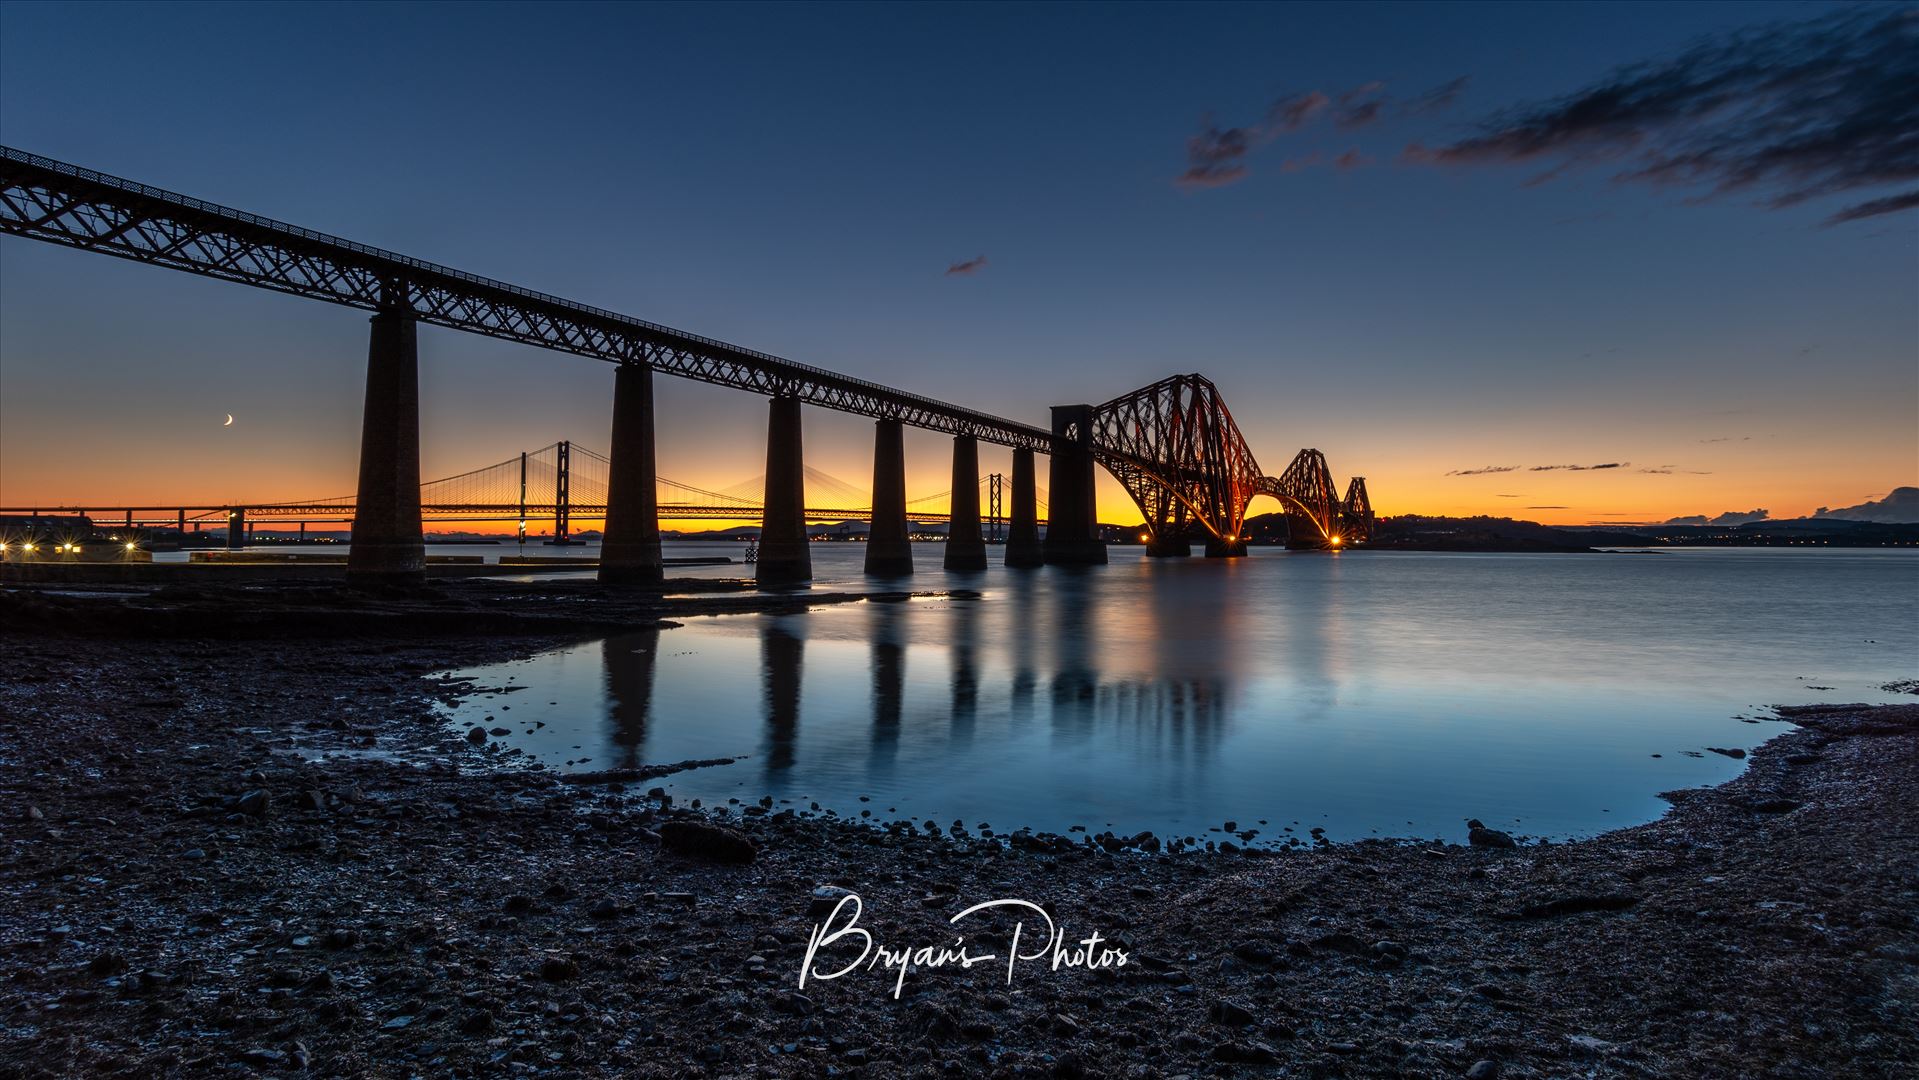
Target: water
(1368, 693)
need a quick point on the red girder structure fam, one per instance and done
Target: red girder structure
(1175, 448)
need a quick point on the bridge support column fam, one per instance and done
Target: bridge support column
(1022, 533)
(630, 547)
(236, 528)
(965, 547)
(388, 545)
(1072, 527)
(889, 547)
(784, 555)
(1225, 549)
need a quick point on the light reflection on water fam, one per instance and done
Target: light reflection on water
(1368, 693)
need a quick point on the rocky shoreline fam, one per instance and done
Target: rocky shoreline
(227, 856)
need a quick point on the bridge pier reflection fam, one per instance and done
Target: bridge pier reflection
(629, 661)
(784, 556)
(630, 546)
(889, 547)
(1022, 534)
(388, 542)
(965, 547)
(782, 655)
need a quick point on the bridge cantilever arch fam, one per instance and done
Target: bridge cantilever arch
(1182, 464)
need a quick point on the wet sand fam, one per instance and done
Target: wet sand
(239, 839)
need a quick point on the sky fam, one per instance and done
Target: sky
(1570, 263)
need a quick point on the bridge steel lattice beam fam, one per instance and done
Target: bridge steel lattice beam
(52, 201)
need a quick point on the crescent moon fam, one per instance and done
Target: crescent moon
(229, 422)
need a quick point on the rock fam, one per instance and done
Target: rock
(559, 969)
(1591, 1044)
(477, 1022)
(254, 803)
(1248, 1053)
(476, 734)
(263, 1058)
(1484, 1069)
(603, 909)
(106, 965)
(1731, 753)
(712, 842)
(342, 939)
(1231, 1013)
(517, 904)
(34, 813)
(497, 732)
(1573, 905)
(1493, 838)
(398, 1023)
(792, 1004)
(825, 899)
(194, 854)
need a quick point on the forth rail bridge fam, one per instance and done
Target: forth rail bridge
(1172, 445)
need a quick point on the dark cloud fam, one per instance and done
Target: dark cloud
(1484, 470)
(1549, 508)
(1901, 505)
(1728, 438)
(1439, 97)
(1578, 468)
(1215, 157)
(1290, 113)
(1730, 517)
(1360, 106)
(1351, 159)
(1874, 207)
(1789, 112)
(970, 266)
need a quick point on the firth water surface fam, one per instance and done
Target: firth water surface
(1366, 693)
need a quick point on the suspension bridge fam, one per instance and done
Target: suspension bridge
(554, 486)
(1173, 445)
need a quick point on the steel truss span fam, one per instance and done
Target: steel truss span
(1175, 448)
(63, 204)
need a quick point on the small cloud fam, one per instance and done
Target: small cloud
(1484, 470)
(1579, 468)
(1215, 157)
(1359, 106)
(1439, 97)
(1506, 496)
(970, 266)
(1290, 113)
(1351, 159)
(1549, 508)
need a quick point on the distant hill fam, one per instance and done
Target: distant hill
(1422, 532)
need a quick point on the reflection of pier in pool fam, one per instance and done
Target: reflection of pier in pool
(629, 661)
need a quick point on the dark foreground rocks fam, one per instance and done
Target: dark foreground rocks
(186, 891)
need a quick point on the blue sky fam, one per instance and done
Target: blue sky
(799, 178)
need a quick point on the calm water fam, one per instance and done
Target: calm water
(1368, 693)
